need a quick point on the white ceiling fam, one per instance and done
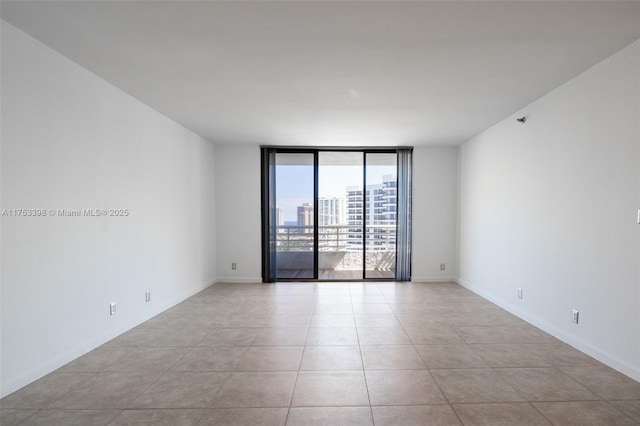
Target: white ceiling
(333, 73)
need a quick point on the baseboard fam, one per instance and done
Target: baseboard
(259, 279)
(613, 362)
(433, 279)
(79, 350)
(239, 280)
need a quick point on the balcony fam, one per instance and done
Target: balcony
(340, 252)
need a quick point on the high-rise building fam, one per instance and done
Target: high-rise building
(379, 214)
(280, 212)
(331, 211)
(305, 216)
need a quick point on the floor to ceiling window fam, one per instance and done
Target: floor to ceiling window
(335, 215)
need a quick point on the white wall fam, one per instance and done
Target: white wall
(550, 206)
(238, 215)
(435, 180)
(238, 212)
(72, 141)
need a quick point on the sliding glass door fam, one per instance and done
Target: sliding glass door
(340, 225)
(380, 215)
(295, 215)
(335, 214)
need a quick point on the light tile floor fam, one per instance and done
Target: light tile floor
(330, 354)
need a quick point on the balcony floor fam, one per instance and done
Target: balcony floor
(330, 274)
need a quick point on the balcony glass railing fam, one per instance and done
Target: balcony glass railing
(335, 238)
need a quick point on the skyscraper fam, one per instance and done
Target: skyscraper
(305, 216)
(280, 211)
(331, 211)
(379, 214)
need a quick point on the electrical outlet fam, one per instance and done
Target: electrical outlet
(519, 293)
(147, 296)
(576, 316)
(442, 266)
(112, 308)
(233, 266)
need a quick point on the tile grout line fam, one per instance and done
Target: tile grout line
(620, 411)
(364, 373)
(438, 385)
(68, 392)
(427, 367)
(304, 349)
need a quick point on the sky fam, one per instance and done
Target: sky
(295, 183)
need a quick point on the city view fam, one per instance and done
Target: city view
(340, 220)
